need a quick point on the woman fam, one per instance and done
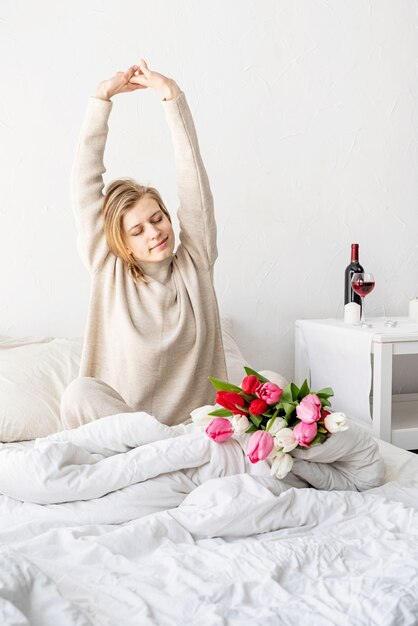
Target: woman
(153, 332)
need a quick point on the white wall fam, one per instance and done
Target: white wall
(306, 112)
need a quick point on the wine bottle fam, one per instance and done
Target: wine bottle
(349, 295)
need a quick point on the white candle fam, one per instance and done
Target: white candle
(352, 313)
(413, 309)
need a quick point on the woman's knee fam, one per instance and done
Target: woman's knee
(87, 399)
(73, 398)
(76, 390)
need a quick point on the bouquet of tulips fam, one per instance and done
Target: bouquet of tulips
(279, 419)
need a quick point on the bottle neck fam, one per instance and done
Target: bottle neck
(354, 252)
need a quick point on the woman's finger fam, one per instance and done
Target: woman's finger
(144, 67)
(133, 87)
(139, 80)
(131, 71)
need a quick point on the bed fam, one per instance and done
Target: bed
(232, 551)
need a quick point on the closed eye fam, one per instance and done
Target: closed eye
(152, 222)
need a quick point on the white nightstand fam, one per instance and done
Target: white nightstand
(329, 353)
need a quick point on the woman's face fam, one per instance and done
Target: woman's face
(147, 231)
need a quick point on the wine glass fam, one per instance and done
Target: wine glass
(362, 284)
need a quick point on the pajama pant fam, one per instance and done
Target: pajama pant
(87, 399)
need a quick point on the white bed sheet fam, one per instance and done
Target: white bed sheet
(400, 464)
(231, 553)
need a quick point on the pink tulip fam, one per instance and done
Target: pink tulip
(309, 409)
(260, 445)
(270, 392)
(305, 433)
(220, 429)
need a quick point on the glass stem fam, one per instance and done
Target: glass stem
(363, 317)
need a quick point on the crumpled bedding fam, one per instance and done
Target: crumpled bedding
(205, 537)
(235, 551)
(129, 448)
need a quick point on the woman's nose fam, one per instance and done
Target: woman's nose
(153, 230)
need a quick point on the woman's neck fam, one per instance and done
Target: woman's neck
(158, 270)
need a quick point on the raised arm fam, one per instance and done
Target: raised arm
(88, 169)
(195, 213)
(87, 183)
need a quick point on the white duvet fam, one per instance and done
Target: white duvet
(126, 521)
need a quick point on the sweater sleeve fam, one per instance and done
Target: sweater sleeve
(87, 184)
(195, 212)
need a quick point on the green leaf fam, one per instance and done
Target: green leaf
(288, 407)
(251, 372)
(294, 391)
(325, 393)
(318, 439)
(322, 430)
(224, 386)
(255, 420)
(251, 429)
(221, 413)
(286, 395)
(304, 390)
(325, 402)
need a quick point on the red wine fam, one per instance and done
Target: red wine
(363, 287)
(353, 268)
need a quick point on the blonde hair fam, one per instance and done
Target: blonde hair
(120, 197)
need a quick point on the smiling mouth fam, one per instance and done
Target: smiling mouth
(160, 244)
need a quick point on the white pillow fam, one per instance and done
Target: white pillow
(35, 371)
(235, 361)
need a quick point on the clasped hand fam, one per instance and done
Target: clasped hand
(137, 77)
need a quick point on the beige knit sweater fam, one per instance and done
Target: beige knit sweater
(155, 344)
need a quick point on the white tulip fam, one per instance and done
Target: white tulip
(282, 464)
(278, 424)
(285, 439)
(335, 422)
(240, 424)
(200, 415)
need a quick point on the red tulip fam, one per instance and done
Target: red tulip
(250, 384)
(257, 407)
(228, 399)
